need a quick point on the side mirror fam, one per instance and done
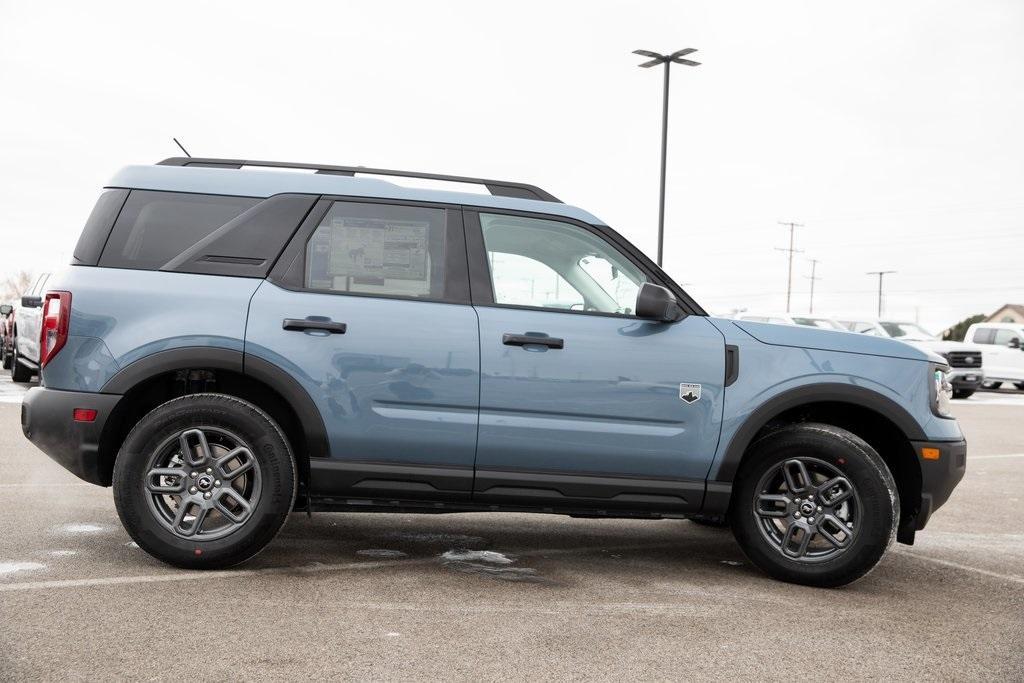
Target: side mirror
(5, 309)
(1014, 343)
(657, 303)
(31, 302)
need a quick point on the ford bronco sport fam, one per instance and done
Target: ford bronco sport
(232, 344)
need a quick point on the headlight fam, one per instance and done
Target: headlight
(941, 391)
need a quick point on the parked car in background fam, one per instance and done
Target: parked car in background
(6, 334)
(25, 344)
(1004, 351)
(818, 321)
(966, 362)
(229, 345)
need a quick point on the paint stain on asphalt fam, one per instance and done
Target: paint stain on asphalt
(13, 567)
(488, 563)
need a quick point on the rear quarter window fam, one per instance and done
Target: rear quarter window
(155, 227)
(97, 228)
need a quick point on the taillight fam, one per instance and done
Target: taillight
(54, 329)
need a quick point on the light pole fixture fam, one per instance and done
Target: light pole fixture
(668, 60)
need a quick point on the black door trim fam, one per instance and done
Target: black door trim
(591, 491)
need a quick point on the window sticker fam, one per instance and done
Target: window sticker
(372, 249)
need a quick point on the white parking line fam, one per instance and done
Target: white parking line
(995, 457)
(305, 569)
(964, 567)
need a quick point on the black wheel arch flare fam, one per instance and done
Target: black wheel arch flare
(719, 489)
(213, 358)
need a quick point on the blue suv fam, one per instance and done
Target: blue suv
(232, 343)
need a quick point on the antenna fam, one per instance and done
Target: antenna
(182, 147)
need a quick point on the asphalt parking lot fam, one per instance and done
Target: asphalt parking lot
(491, 596)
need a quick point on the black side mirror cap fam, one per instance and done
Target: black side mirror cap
(31, 302)
(657, 303)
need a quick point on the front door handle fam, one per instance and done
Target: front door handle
(303, 324)
(528, 339)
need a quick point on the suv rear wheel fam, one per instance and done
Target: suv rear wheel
(815, 504)
(204, 481)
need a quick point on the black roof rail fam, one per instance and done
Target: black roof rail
(498, 188)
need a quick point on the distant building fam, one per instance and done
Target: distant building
(1009, 313)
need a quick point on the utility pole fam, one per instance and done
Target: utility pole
(881, 274)
(812, 278)
(791, 250)
(674, 58)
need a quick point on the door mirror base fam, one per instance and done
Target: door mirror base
(658, 303)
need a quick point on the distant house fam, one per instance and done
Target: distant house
(1009, 313)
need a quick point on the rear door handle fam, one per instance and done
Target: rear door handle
(303, 324)
(527, 339)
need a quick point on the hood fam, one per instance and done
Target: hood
(939, 346)
(828, 340)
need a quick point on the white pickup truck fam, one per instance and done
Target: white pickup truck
(25, 348)
(1004, 351)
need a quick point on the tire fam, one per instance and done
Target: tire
(1019, 385)
(19, 373)
(244, 505)
(862, 518)
(963, 393)
(5, 357)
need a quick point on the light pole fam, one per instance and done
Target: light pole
(677, 58)
(881, 274)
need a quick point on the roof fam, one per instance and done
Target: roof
(1016, 308)
(266, 183)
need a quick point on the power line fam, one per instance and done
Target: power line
(791, 250)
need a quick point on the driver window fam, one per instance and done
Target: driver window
(549, 264)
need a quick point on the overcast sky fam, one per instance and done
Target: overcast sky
(893, 130)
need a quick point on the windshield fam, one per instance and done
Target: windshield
(908, 330)
(823, 323)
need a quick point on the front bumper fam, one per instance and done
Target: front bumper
(966, 378)
(939, 476)
(46, 419)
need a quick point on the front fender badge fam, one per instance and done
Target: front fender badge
(689, 393)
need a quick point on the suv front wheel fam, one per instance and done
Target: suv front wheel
(816, 505)
(204, 481)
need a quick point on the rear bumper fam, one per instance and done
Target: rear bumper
(940, 476)
(46, 420)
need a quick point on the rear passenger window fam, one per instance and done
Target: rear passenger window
(381, 249)
(155, 227)
(1004, 337)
